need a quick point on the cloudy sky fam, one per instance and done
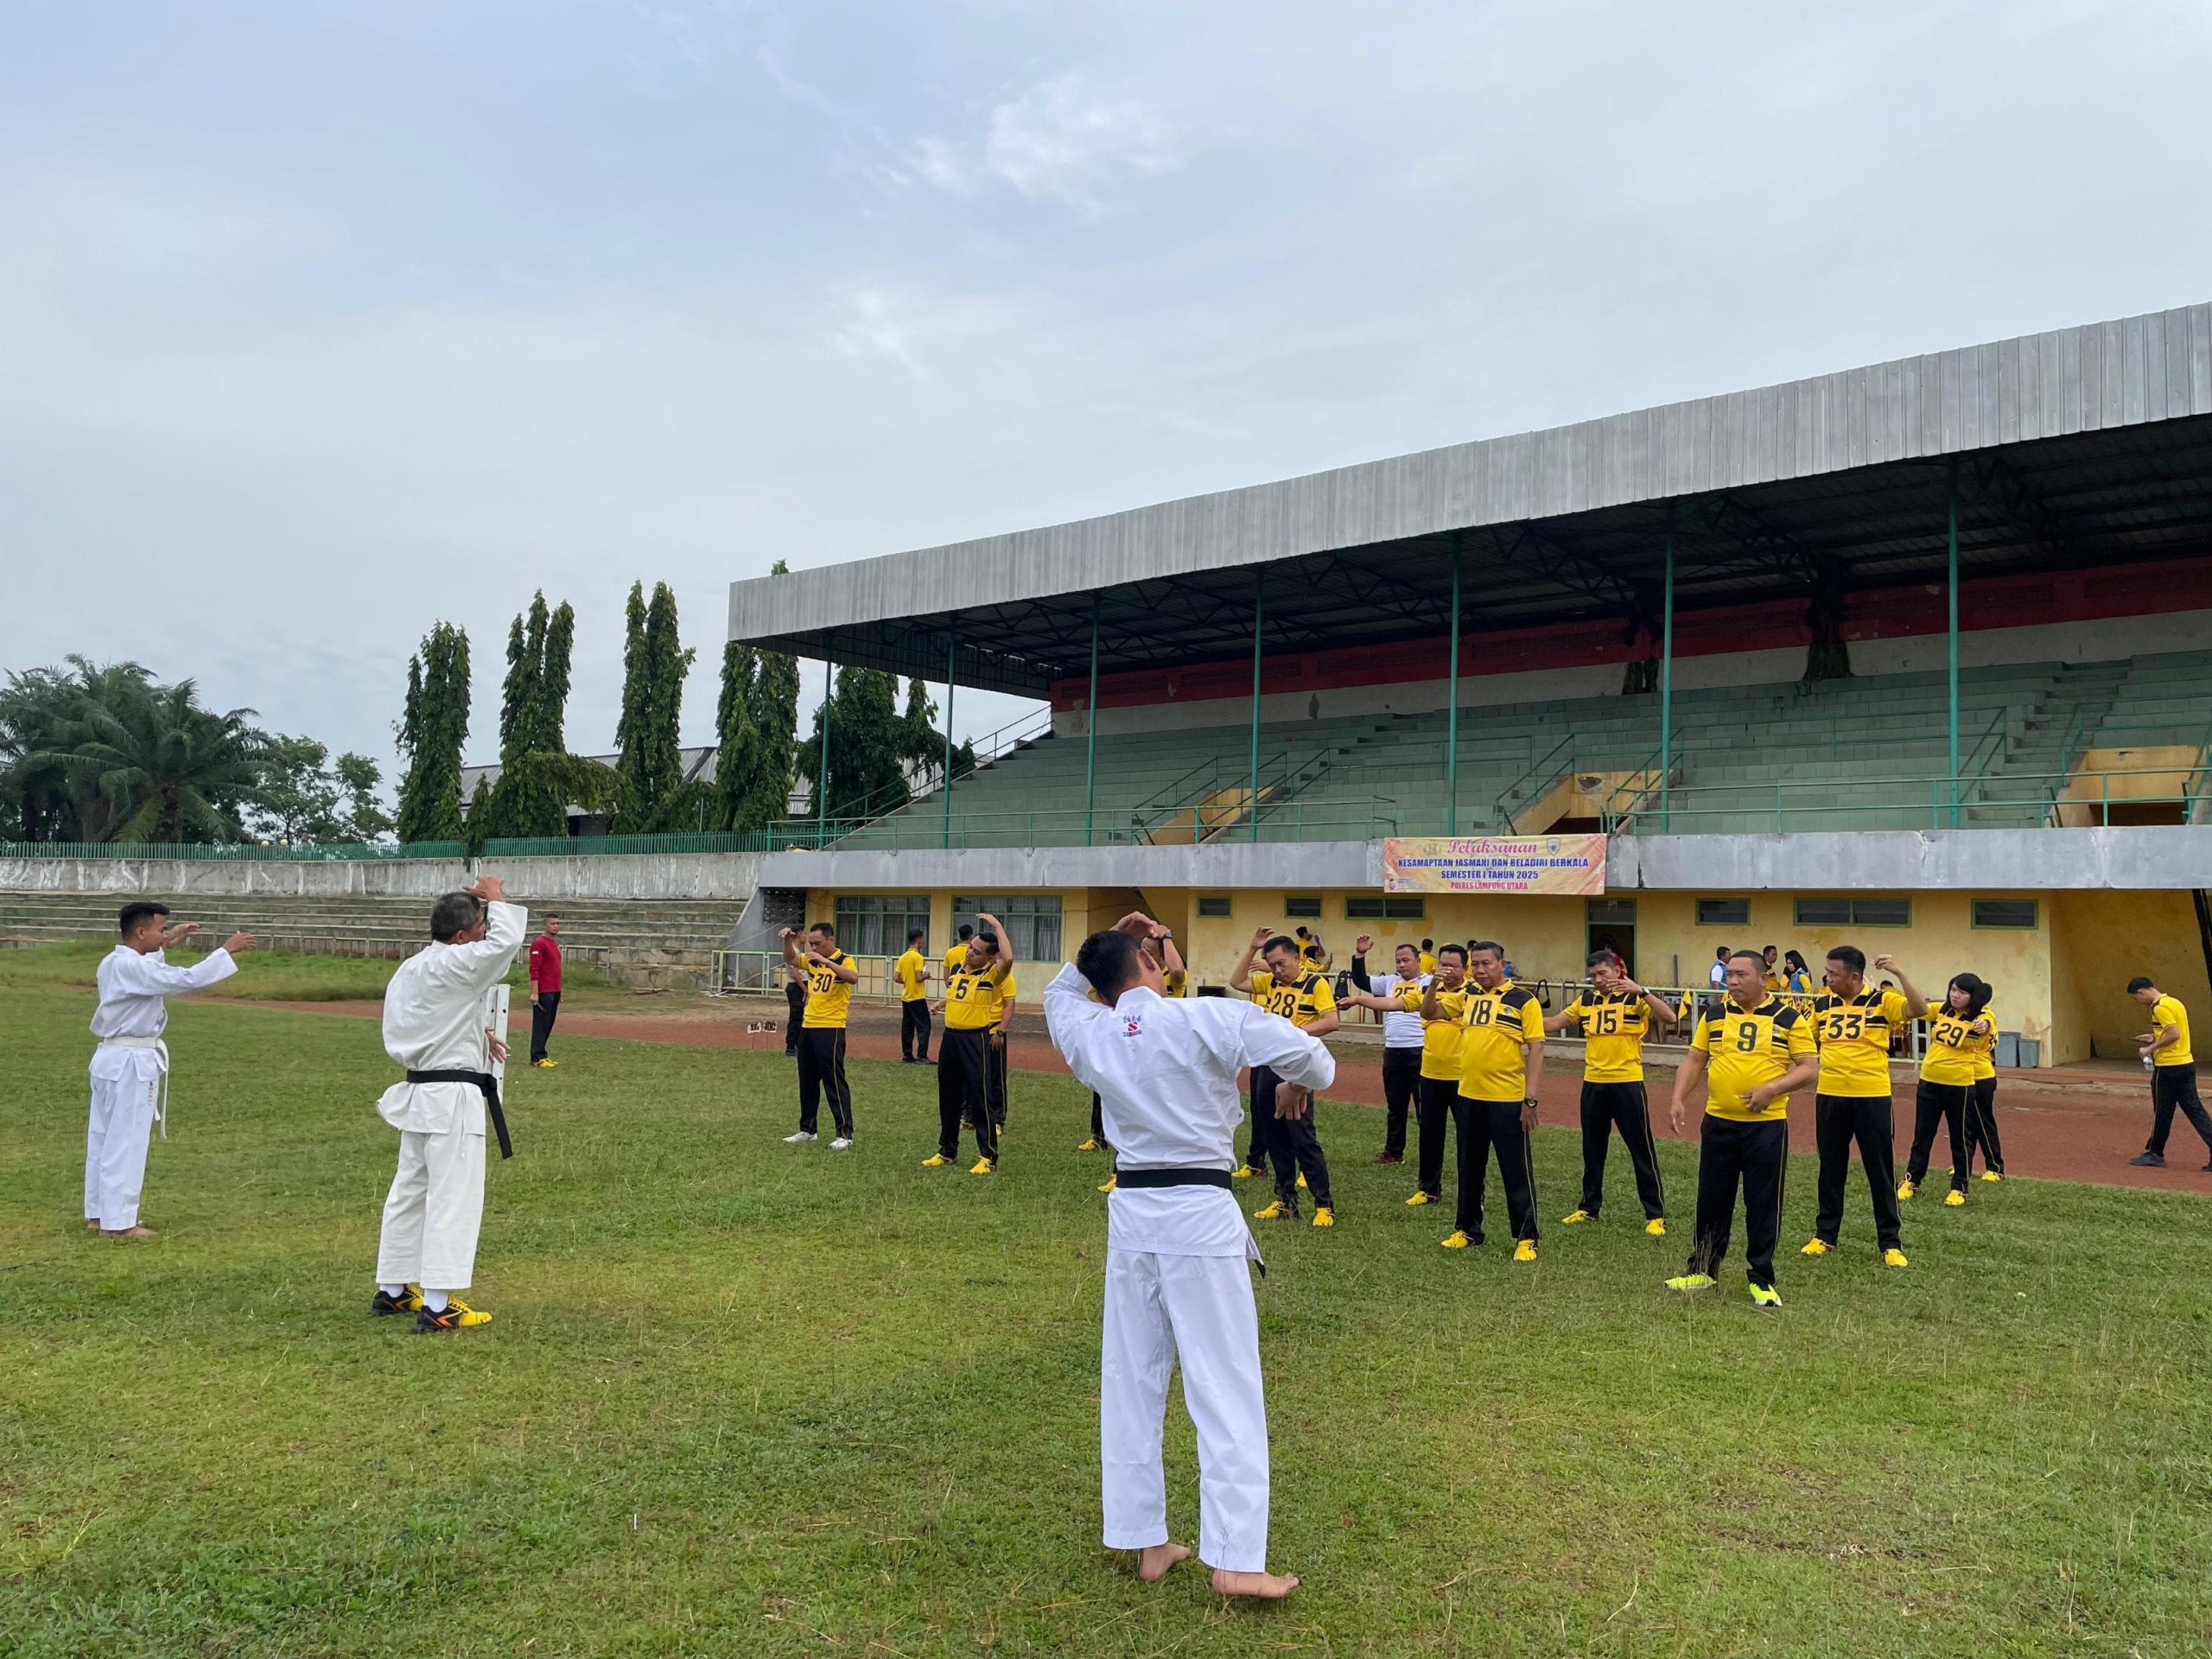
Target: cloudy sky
(323, 321)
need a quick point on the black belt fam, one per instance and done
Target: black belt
(1128, 1179)
(485, 1084)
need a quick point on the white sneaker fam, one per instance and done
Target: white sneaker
(798, 1140)
(843, 1143)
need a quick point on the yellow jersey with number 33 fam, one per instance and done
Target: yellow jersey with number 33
(1854, 1036)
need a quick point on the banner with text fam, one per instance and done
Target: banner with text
(1573, 865)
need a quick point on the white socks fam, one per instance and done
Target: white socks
(393, 1290)
(434, 1301)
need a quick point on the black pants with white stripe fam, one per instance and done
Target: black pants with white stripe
(1437, 1096)
(1608, 1106)
(1982, 1126)
(1482, 1126)
(822, 1072)
(1756, 1157)
(1838, 1121)
(1935, 1104)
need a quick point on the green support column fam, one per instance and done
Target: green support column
(951, 664)
(1666, 685)
(1953, 626)
(1259, 615)
(1090, 729)
(822, 778)
(1452, 710)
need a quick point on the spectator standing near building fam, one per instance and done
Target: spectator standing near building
(544, 989)
(2165, 1051)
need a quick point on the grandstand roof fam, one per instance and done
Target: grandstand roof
(2075, 448)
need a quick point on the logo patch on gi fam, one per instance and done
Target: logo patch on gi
(1132, 1024)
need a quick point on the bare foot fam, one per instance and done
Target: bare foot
(1153, 1566)
(1267, 1586)
(129, 1232)
(90, 1224)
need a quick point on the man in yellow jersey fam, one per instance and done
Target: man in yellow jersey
(912, 972)
(830, 976)
(1287, 986)
(1958, 1026)
(1440, 1065)
(1402, 1037)
(978, 996)
(1174, 981)
(1428, 955)
(1313, 955)
(1612, 1018)
(2165, 1050)
(957, 956)
(1853, 1023)
(1748, 1054)
(1770, 967)
(1501, 1064)
(1981, 1110)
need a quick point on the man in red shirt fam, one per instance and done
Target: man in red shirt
(544, 988)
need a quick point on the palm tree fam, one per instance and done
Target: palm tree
(43, 794)
(162, 768)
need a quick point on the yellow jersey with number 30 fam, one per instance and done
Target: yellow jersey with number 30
(829, 999)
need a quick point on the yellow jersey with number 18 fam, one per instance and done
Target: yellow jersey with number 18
(1495, 1027)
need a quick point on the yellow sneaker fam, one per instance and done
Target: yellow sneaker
(1816, 1247)
(1458, 1240)
(1525, 1250)
(1108, 1184)
(1656, 1227)
(1301, 1181)
(455, 1315)
(1906, 1188)
(1578, 1217)
(984, 1166)
(936, 1161)
(1765, 1296)
(1990, 1175)
(1954, 1198)
(1893, 1258)
(1324, 1216)
(1274, 1209)
(1418, 1198)
(546, 1065)
(1691, 1281)
(1245, 1172)
(1086, 1145)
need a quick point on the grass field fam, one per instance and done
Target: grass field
(748, 1399)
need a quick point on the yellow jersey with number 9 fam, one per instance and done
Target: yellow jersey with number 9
(1746, 1047)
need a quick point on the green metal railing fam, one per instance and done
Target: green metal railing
(234, 851)
(2024, 800)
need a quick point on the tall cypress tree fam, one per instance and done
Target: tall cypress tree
(553, 682)
(774, 703)
(630, 724)
(736, 754)
(652, 756)
(434, 731)
(535, 784)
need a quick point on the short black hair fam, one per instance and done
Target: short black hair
(913, 936)
(989, 942)
(552, 915)
(1601, 954)
(2137, 983)
(1428, 945)
(1850, 956)
(1280, 942)
(1748, 956)
(453, 913)
(1108, 960)
(134, 913)
(1406, 944)
(1721, 953)
(967, 929)
(1458, 950)
(1490, 945)
(826, 929)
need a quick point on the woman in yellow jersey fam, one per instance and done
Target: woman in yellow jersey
(1958, 1026)
(1981, 1110)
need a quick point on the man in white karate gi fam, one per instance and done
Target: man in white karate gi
(434, 1026)
(129, 1069)
(1177, 1283)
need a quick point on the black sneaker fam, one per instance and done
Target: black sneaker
(456, 1315)
(408, 1301)
(2149, 1161)
(1390, 1158)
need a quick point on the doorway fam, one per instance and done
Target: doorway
(1609, 924)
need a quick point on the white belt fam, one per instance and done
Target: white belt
(160, 1089)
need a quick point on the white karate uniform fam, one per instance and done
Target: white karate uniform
(434, 1020)
(1177, 1286)
(130, 1073)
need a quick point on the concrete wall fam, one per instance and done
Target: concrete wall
(681, 876)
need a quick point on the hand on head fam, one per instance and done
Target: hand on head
(488, 889)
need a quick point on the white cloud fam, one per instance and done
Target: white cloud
(1058, 141)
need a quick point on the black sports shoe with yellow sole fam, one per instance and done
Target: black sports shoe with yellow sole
(408, 1301)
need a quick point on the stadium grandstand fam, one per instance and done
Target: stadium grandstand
(1918, 656)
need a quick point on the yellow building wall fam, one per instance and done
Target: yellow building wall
(2107, 939)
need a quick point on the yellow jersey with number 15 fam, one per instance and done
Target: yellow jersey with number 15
(1613, 1028)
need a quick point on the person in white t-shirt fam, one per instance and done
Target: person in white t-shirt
(1401, 1036)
